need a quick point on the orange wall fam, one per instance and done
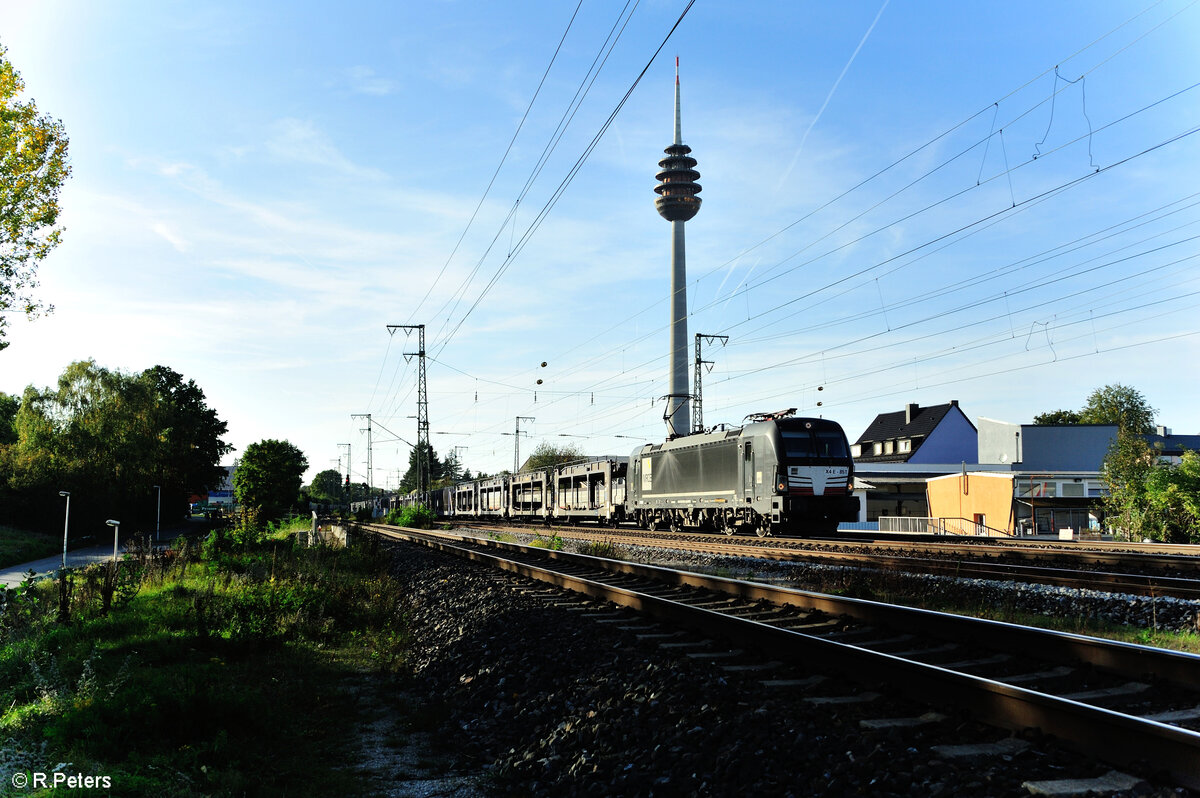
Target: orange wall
(962, 497)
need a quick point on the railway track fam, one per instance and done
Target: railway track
(1143, 575)
(1134, 703)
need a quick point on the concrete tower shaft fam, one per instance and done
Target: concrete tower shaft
(678, 202)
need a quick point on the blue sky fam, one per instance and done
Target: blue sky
(903, 202)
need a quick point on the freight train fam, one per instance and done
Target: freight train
(777, 474)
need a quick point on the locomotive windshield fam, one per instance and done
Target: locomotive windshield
(826, 444)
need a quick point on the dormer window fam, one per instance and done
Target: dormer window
(887, 447)
(877, 448)
(855, 450)
(905, 445)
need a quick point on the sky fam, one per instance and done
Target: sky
(902, 203)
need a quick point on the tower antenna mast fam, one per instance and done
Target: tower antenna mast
(677, 203)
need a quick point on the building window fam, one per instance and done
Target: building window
(878, 448)
(855, 450)
(887, 447)
(905, 445)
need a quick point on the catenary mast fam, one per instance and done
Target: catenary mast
(677, 203)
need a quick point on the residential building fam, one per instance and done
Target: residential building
(900, 451)
(937, 434)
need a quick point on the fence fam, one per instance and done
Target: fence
(915, 525)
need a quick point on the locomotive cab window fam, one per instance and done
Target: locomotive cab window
(825, 444)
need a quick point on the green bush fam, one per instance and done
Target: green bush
(418, 516)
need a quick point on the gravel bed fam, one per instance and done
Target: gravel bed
(1164, 613)
(539, 700)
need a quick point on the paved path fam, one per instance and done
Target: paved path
(14, 575)
(47, 566)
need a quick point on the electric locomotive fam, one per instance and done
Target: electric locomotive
(777, 473)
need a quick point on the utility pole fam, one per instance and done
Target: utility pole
(423, 475)
(370, 466)
(457, 461)
(517, 442)
(697, 409)
(349, 468)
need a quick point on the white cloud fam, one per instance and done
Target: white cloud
(172, 238)
(300, 140)
(363, 80)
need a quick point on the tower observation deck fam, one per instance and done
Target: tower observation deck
(677, 188)
(678, 202)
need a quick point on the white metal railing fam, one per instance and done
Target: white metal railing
(917, 525)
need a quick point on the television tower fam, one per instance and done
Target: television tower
(677, 203)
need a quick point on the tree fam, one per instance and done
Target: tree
(1121, 405)
(1057, 417)
(9, 405)
(1173, 500)
(109, 437)
(327, 486)
(1124, 471)
(436, 469)
(268, 477)
(190, 450)
(1150, 498)
(452, 470)
(547, 455)
(33, 167)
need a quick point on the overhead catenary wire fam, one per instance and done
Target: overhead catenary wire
(566, 181)
(1006, 172)
(998, 214)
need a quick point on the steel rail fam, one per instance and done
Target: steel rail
(1086, 728)
(1133, 584)
(1166, 558)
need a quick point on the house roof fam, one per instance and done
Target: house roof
(889, 426)
(1173, 444)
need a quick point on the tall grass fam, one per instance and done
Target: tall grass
(214, 675)
(18, 546)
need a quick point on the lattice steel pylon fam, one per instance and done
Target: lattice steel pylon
(423, 475)
(697, 409)
(517, 443)
(370, 464)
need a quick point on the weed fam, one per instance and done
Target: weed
(553, 543)
(602, 548)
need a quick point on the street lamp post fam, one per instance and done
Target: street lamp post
(158, 512)
(116, 525)
(66, 524)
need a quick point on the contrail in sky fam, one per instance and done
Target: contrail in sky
(829, 96)
(787, 173)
